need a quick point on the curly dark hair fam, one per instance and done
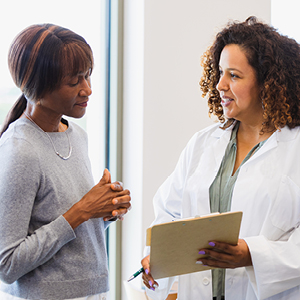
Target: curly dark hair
(276, 61)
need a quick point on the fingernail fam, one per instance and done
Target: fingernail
(115, 201)
(146, 271)
(201, 252)
(199, 262)
(150, 283)
(152, 288)
(211, 244)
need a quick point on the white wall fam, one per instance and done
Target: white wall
(163, 108)
(286, 19)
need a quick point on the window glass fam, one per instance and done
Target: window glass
(86, 18)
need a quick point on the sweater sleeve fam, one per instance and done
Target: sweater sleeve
(21, 251)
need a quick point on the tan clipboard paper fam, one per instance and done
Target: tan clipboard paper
(175, 245)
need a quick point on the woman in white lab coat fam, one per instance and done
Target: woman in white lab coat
(248, 162)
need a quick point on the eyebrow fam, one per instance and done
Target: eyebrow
(82, 73)
(232, 69)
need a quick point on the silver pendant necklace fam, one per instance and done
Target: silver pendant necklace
(58, 154)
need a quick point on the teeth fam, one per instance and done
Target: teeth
(227, 100)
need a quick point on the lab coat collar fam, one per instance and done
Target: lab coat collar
(222, 137)
(286, 134)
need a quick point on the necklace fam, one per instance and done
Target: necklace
(58, 154)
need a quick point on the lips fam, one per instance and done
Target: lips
(226, 101)
(82, 104)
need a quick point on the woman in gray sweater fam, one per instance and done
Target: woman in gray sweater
(52, 216)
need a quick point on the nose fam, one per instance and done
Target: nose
(222, 84)
(85, 88)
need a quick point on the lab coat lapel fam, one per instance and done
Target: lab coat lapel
(222, 139)
(213, 155)
(270, 144)
(207, 170)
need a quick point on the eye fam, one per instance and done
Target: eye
(88, 74)
(233, 75)
(75, 80)
(74, 83)
(221, 72)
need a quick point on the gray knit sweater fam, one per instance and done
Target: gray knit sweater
(41, 257)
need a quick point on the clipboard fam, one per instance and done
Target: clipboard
(175, 245)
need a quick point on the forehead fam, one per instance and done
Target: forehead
(75, 59)
(234, 57)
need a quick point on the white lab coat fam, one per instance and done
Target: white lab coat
(267, 190)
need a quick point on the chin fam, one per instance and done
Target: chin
(229, 115)
(76, 116)
(80, 113)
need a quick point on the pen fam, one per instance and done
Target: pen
(136, 274)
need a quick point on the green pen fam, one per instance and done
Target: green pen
(136, 274)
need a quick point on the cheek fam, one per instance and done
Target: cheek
(67, 100)
(255, 95)
(246, 94)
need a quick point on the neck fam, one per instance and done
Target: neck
(252, 133)
(43, 120)
(54, 148)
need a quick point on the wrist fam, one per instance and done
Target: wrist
(76, 216)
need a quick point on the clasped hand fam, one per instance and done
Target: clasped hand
(107, 200)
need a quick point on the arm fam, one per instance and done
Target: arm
(276, 264)
(22, 249)
(168, 202)
(27, 243)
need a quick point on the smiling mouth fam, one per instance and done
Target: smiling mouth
(226, 101)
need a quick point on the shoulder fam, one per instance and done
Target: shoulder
(19, 159)
(287, 136)
(208, 135)
(201, 142)
(18, 143)
(19, 133)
